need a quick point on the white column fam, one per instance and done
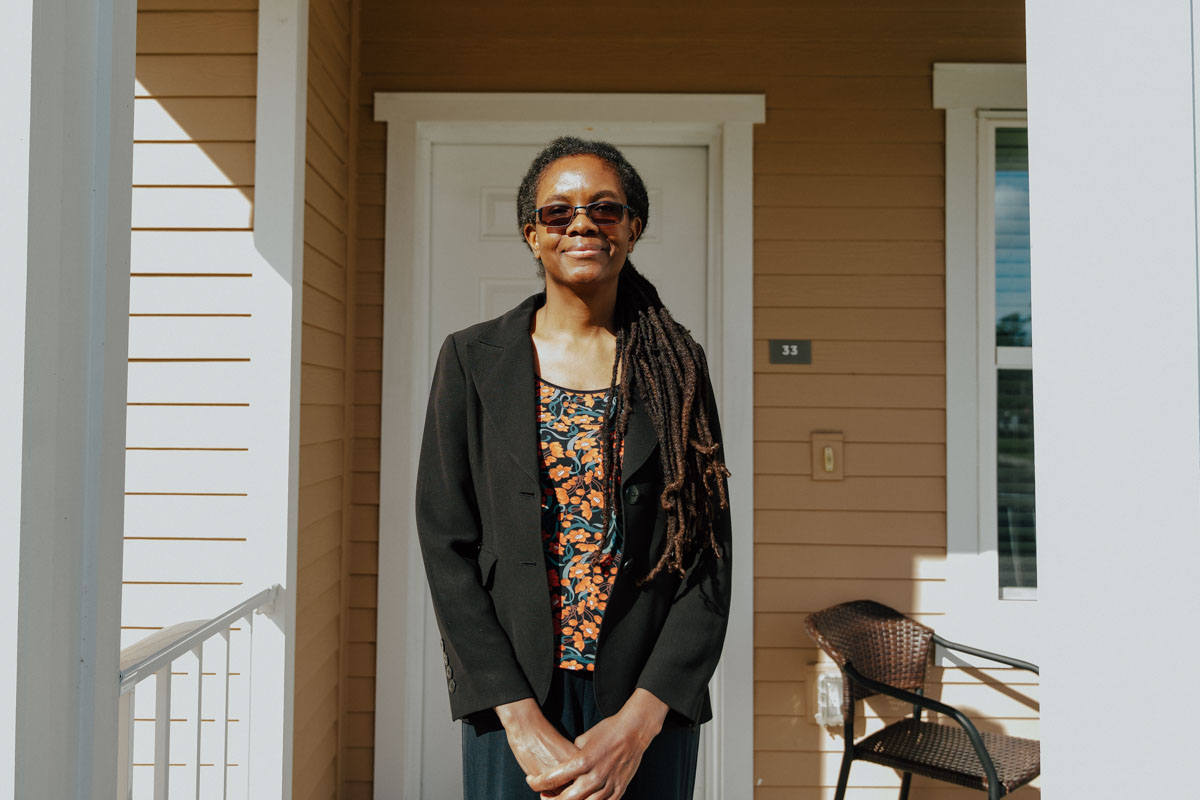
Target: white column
(65, 240)
(1114, 239)
(279, 239)
(16, 39)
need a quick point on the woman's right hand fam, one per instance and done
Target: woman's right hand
(537, 744)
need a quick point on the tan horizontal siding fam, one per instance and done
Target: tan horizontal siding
(860, 460)
(806, 526)
(853, 291)
(851, 324)
(322, 423)
(849, 252)
(197, 5)
(318, 500)
(327, 274)
(326, 389)
(780, 389)
(322, 385)
(883, 158)
(849, 191)
(206, 32)
(197, 75)
(796, 424)
(881, 358)
(671, 56)
(195, 119)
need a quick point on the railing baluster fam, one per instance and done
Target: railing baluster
(225, 722)
(155, 655)
(162, 732)
(199, 651)
(249, 747)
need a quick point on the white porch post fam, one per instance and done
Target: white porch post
(16, 39)
(1112, 131)
(279, 241)
(64, 243)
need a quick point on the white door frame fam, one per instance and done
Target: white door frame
(416, 121)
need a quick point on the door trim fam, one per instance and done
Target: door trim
(415, 121)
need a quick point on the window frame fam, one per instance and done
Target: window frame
(991, 357)
(977, 99)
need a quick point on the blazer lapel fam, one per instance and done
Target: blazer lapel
(640, 437)
(501, 362)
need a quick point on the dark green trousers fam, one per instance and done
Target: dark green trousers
(491, 772)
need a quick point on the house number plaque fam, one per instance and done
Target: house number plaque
(790, 351)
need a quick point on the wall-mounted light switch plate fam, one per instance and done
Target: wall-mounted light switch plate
(827, 455)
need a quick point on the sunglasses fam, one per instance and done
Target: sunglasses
(601, 212)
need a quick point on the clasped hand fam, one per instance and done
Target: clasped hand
(599, 764)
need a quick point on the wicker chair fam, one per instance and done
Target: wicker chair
(881, 651)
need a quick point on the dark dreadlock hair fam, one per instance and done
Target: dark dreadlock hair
(658, 358)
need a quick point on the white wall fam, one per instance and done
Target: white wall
(1114, 223)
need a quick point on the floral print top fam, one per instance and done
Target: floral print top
(581, 560)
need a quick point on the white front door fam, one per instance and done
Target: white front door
(482, 268)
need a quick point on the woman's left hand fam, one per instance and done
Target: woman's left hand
(609, 752)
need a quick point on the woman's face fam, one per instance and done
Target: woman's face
(583, 254)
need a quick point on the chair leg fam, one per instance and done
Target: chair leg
(843, 777)
(904, 784)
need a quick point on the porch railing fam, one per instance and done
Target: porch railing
(154, 656)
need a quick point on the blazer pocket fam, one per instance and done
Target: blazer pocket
(487, 567)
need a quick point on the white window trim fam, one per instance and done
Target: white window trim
(975, 613)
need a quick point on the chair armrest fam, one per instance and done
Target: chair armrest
(975, 651)
(912, 698)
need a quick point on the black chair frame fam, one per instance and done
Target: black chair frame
(919, 702)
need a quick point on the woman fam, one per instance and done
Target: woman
(577, 539)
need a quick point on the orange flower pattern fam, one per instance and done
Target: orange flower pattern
(581, 561)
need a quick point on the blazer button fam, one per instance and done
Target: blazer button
(445, 659)
(443, 641)
(449, 672)
(632, 495)
(450, 686)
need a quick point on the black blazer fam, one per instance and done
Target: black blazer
(479, 521)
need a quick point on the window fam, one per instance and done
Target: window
(1006, 335)
(991, 575)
